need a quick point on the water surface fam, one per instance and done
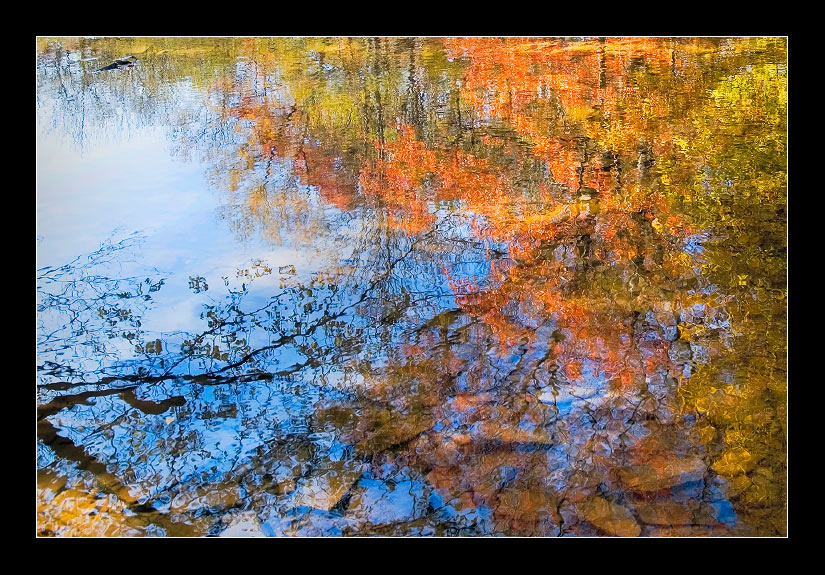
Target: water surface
(411, 287)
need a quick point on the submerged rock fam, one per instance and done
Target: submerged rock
(380, 502)
(665, 475)
(243, 525)
(324, 491)
(610, 517)
(664, 513)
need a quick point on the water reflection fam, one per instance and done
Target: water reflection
(499, 287)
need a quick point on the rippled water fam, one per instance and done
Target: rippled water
(458, 286)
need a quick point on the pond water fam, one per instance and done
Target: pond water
(411, 287)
